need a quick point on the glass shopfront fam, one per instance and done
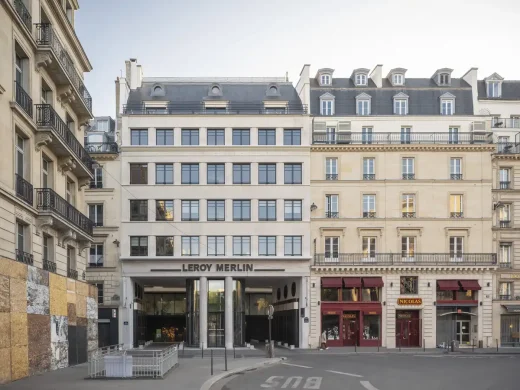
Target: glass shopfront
(510, 330)
(216, 311)
(193, 312)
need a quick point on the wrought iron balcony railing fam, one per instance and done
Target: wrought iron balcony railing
(23, 99)
(24, 257)
(389, 259)
(46, 37)
(408, 176)
(505, 185)
(507, 297)
(369, 214)
(369, 176)
(457, 214)
(456, 176)
(505, 224)
(102, 147)
(23, 13)
(332, 214)
(199, 108)
(396, 138)
(512, 123)
(47, 117)
(24, 190)
(504, 264)
(95, 261)
(49, 265)
(331, 176)
(72, 273)
(408, 214)
(96, 184)
(508, 148)
(48, 200)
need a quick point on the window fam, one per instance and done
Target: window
(139, 137)
(505, 255)
(47, 171)
(503, 144)
(216, 174)
(164, 173)
(164, 246)
(369, 248)
(361, 79)
(494, 89)
(21, 243)
(456, 168)
(241, 210)
(406, 135)
(408, 206)
(369, 170)
(97, 181)
(408, 168)
(267, 210)
(138, 210)
(95, 213)
(367, 135)
(456, 206)
(241, 173)
(190, 137)
(292, 137)
(408, 248)
(241, 137)
(331, 248)
(332, 206)
(216, 137)
(293, 173)
(164, 137)
(138, 246)
(331, 169)
(70, 192)
(190, 210)
(216, 210)
(48, 247)
(444, 79)
(189, 174)
(266, 137)
(409, 285)
(456, 248)
(292, 245)
(505, 290)
(447, 107)
(400, 106)
(20, 156)
(453, 135)
(19, 65)
(293, 210)
(267, 246)
(102, 125)
(216, 246)
(71, 259)
(266, 173)
(398, 79)
(164, 210)
(369, 206)
(190, 246)
(325, 79)
(138, 173)
(96, 256)
(504, 215)
(327, 107)
(363, 106)
(331, 135)
(241, 246)
(100, 293)
(505, 178)
(70, 124)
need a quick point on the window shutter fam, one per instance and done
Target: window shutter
(343, 126)
(320, 126)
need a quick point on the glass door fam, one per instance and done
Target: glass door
(216, 333)
(350, 328)
(463, 329)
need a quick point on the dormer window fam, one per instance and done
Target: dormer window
(324, 76)
(363, 103)
(325, 79)
(444, 79)
(157, 90)
(273, 90)
(398, 79)
(215, 90)
(494, 89)
(327, 104)
(401, 104)
(361, 79)
(447, 104)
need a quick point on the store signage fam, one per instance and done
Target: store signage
(404, 316)
(372, 312)
(217, 267)
(350, 315)
(409, 301)
(331, 312)
(515, 276)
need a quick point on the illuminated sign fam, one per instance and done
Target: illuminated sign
(350, 316)
(409, 301)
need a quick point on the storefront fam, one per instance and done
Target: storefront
(408, 328)
(510, 326)
(351, 310)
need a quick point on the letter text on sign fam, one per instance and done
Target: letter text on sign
(271, 382)
(313, 382)
(297, 381)
(409, 301)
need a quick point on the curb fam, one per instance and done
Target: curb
(210, 382)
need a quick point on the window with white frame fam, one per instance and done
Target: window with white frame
(331, 248)
(444, 79)
(96, 255)
(369, 168)
(453, 135)
(408, 205)
(325, 79)
(400, 106)
(21, 237)
(505, 255)
(505, 178)
(332, 206)
(361, 79)
(331, 135)
(331, 168)
(369, 206)
(408, 168)
(95, 213)
(20, 156)
(456, 248)
(494, 89)
(456, 168)
(102, 125)
(363, 106)
(398, 79)
(369, 248)
(408, 248)
(447, 106)
(367, 135)
(406, 135)
(456, 210)
(505, 290)
(327, 107)
(504, 215)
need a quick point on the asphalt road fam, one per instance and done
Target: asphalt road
(384, 371)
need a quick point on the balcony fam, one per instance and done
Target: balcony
(505, 224)
(23, 99)
(505, 185)
(504, 264)
(231, 108)
(24, 190)
(507, 297)
(24, 257)
(506, 123)
(102, 147)
(49, 265)
(351, 138)
(72, 273)
(508, 148)
(390, 259)
(369, 176)
(408, 176)
(369, 214)
(62, 69)
(457, 214)
(408, 214)
(456, 176)
(331, 176)
(63, 142)
(23, 13)
(65, 217)
(332, 214)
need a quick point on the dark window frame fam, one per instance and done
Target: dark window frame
(191, 217)
(293, 242)
(166, 206)
(267, 173)
(242, 171)
(243, 240)
(142, 246)
(213, 171)
(166, 168)
(291, 134)
(410, 287)
(213, 216)
(164, 245)
(138, 171)
(268, 205)
(191, 240)
(243, 204)
(190, 135)
(293, 203)
(266, 137)
(268, 245)
(162, 136)
(216, 135)
(141, 208)
(241, 137)
(192, 170)
(293, 173)
(141, 137)
(95, 246)
(216, 246)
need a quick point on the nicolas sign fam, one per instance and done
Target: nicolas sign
(217, 268)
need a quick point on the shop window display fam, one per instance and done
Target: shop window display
(370, 295)
(350, 294)
(329, 294)
(330, 324)
(371, 327)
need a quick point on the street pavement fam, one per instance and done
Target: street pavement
(382, 371)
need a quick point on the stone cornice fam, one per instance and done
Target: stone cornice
(322, 270)
(511, 156)
(104, 156)
(404, 147)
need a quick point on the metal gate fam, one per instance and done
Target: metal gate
(77, 344)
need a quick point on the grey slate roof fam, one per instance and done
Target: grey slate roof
(510, 90)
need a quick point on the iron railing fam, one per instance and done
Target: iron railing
(72, 273)
(504, 264)
(23, 13)
(369, 214)
(457, 214)
(199, 108)
(397, 138)
(48, 200)
(46, 37)
(505, 224)
(408, 176)
(369, 176)
(332, 214)
(47, 117)
(513, 123)
(24, 190)
(102, 147)
(95, 261)
(408, 214)
(456, 176)
(96, 184)
(23, 99)
(24, 257)
(331, 176)
(49, 265)
(505, 297)
(508, 148)
(399, 259)
(505, 185)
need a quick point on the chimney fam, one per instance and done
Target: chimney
(377, 75)
(303, 86)
(471, 78)
(134, 73)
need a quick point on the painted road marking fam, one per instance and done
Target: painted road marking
(367, 385)
(293, 382)
(345, 373)
(295, 365)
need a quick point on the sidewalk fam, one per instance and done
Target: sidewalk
(375, 350)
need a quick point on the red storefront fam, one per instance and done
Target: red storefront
(351, 310)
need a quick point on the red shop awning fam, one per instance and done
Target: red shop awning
(373, 282)
(331, 282)
(352, 282)
(448, 285)
(470, 285)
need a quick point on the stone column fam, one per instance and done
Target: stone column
(203, 315)
(228, 313)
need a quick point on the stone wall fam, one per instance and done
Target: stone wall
(39, 311)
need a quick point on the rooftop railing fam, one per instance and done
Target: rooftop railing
(199, 108)
(352, 138)
(389, 259)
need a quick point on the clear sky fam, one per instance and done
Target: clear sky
(271, 37)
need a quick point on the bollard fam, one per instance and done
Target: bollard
(211, 352)
(202, 349)
(355, 347)
(497, 344)
(424, 345)
(183, 346)
(399, 343)
(473, 346)
(234, 352)
(225, 358)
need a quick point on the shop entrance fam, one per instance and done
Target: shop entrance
(463, 331)
(350, 328)
(407, 328)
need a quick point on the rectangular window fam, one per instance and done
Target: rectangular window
(70, 192)
(266, 137)
(190, 137)
(216, 174)
(293, 210)
(138, 246)
(400, 106)
(293, 173)
(408, 206)
(266, 173)
(164, 210)
(189, 173)
(164, 137)
(163, 173)
(453, 135)
(97, 181)
(447, 107)
(406, 135)
(408, 168)
(216, 210)
(456, 248)
(96, 255)
(267, 246)
(292, 245)
(139, 137)
(138, 210)
(95, 213)
(20, 156)
(190, 210)
(267, 210)
(408, 248)
(216, 245)
(363, 107)
(367, 135)
(493, 89)
(331, 135)
(100, 293)
(216, 137)
(241, 210)
(456, 168)
(332, 206)
(241, 173)
(409, 285)
(331, 248)
(71, 260)
(504, 178)
(331, 169)
(456, 206)
(369, 248)
(504, 215)
(47, 172)
(164, 246)
(505, 291)
(20, 239)
(361, 79)
(292, 137)
(327, 107)
(369, 168)
(48, 247)
(241, 137)
(241, 246)
(190, 246)
(138, 173)
(369, 206)
(505, 255)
